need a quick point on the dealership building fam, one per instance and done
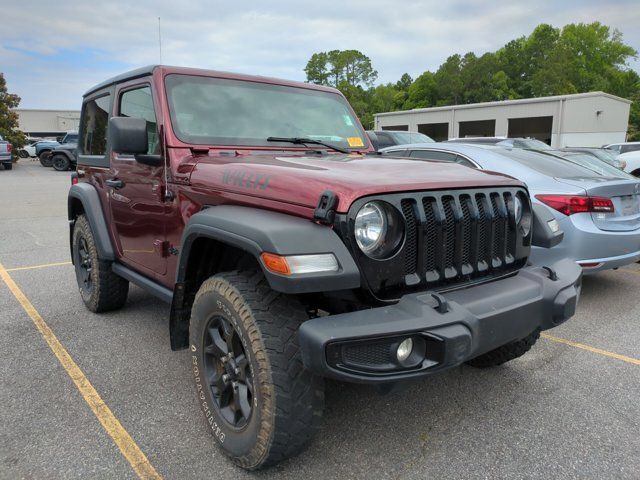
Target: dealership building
(584, 119)
(47, 123)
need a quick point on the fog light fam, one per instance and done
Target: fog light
(404, 349)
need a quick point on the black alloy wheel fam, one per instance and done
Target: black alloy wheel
(228, 372)
(84, 265)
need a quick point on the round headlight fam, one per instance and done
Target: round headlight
(522, 213)
(378, 229)
(370, 227)
(517, 206)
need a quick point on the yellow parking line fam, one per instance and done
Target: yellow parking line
(110, 423)
(38, 266)
(589, 348)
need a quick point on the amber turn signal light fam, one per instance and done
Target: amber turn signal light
(275, 263)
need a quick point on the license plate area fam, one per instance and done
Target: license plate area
(629, 205)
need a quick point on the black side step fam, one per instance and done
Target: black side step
(163, 293)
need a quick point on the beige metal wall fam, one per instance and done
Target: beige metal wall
(576, 120)
(49, 121)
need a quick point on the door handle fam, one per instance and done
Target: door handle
(113, 183)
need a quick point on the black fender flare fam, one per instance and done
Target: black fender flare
(256, 231)
(90, 200)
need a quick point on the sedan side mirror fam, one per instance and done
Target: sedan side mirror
(128, 136)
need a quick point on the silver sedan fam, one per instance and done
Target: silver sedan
(598, 209)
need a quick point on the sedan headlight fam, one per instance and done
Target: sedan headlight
(378, 229)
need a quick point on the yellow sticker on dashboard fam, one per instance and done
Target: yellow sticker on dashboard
(355, 142)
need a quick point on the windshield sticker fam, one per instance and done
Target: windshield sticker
(347, 120)
(355, 142)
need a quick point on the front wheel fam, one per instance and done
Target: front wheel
(45, 158)
(506, 352)
(260, 403)
(60, 163)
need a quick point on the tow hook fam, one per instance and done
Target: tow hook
(553, 276)
(443, 305)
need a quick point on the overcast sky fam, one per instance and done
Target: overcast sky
(52, 51)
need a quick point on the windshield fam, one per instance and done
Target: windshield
(598, 166)
(551, 165)
(404, 138)
(215, 111)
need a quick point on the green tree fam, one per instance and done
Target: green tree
(423, 92)
(449, 81)
(9, 118)
(341, 66)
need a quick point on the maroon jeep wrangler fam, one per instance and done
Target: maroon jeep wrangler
(289, 251)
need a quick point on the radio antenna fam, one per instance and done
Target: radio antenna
(160, 40)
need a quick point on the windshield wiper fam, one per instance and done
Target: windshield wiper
(311, 141)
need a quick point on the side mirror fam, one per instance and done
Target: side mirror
(128, 136)
(546, 230)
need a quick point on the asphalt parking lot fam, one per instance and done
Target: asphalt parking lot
(568, 409)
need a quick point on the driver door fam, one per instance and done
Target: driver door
(135, 190)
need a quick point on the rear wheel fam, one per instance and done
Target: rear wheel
(45, 158)
(101, 289)
(8, 166)
(261, 404)
(60, 162)
(506, 352)
(23, 153)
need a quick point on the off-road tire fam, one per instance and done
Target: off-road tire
(287, 406)
(45, 158)
(60, 162)
(8, 166)
(506, 352)
(109, 291)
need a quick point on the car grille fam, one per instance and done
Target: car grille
(450, 237)
(444, 233)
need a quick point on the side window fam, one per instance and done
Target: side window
(138, 103)
(433, 155)
(396, 153)
(95, 118)
(384, 140)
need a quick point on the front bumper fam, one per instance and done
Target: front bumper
(452, 327)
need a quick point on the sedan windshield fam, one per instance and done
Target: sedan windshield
(215, 111)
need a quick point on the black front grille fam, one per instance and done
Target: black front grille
(451, 237)
(450, 248)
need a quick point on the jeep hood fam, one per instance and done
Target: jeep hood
(301, 179)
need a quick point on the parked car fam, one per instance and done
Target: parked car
(608, 156)
(589, 161)
(29, 150)
(519, 142)
(539, 146)
(290, 252)
(387, 138)
(598, 211)
(623, 147)
(45, 147)
(64, 157)
(6, 158)
(632, 162)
